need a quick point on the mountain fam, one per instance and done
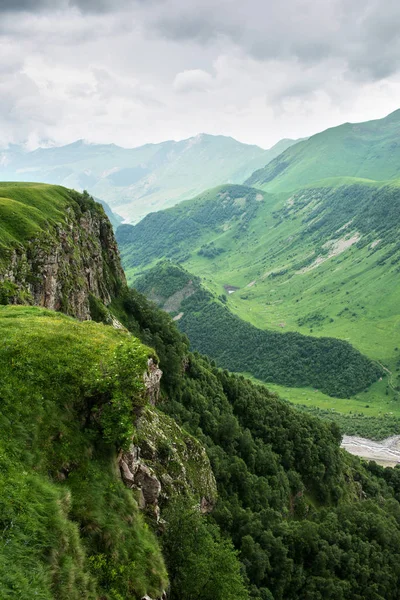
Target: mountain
(84, 261)
(369, 150)
(291, 359)
(139, 180)
(313, 261)
(93, 446)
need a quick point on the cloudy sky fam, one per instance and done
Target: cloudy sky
(138, 71)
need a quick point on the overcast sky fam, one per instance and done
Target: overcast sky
(138, 71)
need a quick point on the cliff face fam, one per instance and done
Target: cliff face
(65, 258)
(60, 268)
(164, 462)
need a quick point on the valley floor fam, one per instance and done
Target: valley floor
(385, 453)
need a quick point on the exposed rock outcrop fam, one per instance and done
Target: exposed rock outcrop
(152, 380)
(165, 461)
(137, 475)
(76, 258)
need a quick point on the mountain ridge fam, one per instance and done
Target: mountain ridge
(135, 181)
(368, 149)
(313, 261)
(76, 465)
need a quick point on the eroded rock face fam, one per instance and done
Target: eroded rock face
(164, 462)
(152, 381)
(76, 259)
(137, 475)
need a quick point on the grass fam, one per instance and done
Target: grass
(30, 210)
(70, 529)
(365, 150)
(351, 296)
(27, 208)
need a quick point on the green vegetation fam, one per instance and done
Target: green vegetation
(69, 527)
(29, 210)
(177, 458)
(210, 213)
(369, 150)
(200, 564)
(308, 520)
(322, 261)
(136, 181)
(69, 394)
(286, 358)
(305, 519)
(56, 246)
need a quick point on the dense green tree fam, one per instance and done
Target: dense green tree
(201, 564)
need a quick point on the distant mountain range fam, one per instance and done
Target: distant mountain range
(309, 244)
(140, 180)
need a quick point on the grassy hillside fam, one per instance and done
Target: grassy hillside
(284, 358)
(315, 261)
(297, 509)
(28, 209)
(176, 232)
(32, 210)
(70, 529)
(73, 399)
(57, 248)
(367, 150)
(140, 180)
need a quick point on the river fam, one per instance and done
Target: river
(385, 453)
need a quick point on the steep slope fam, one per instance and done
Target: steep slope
(140, 180)
(57, 249)
(298, 510)
(368, 150)
(83, 447)
(176, 232)
(291, 359)
(67, 521)
(315, 261)
(115, 219)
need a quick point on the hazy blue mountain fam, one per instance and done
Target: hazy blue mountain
(140, 180)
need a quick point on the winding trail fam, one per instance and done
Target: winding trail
(390, 378)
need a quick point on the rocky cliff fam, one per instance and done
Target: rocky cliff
(163, 462)
(69, 258)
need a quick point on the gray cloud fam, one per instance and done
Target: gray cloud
(362, 34)
(132, 71)
(26, 5)
(85, 6)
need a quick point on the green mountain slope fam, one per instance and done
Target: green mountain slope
(177, 231)
(57, 249)
(290, 359)
(315, 261)
(140, 180)
(67, 521)
(263, 452)
(368, 150)
(27, 210)
(307, 519)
